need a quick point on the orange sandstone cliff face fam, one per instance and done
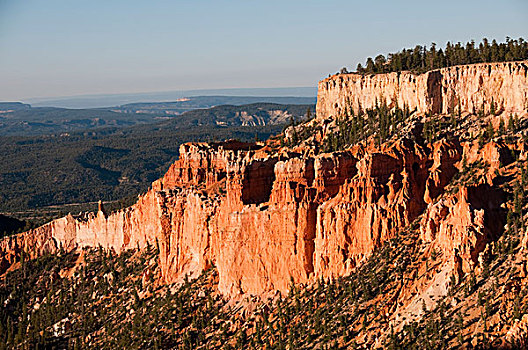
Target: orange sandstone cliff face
(467, 88)
(263, 217)
(467, 221)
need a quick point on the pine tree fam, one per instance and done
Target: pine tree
(490, 131)
(492, 107)
(502, 128)
(511, 124)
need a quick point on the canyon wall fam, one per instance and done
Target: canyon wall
(468, 88)
(260, 217)
(264, 217)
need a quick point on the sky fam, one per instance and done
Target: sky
(53, 48)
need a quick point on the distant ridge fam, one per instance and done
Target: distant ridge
(110, 100)
(205, 102)
(13, 106)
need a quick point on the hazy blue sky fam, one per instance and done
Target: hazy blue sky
(70, 47)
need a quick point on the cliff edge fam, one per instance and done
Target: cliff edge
(467, 88)
(265, 216)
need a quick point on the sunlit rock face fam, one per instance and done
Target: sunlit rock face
(261, 219)
(468, 88)
(265, 217)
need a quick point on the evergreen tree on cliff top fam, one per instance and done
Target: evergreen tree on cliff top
(422, 59)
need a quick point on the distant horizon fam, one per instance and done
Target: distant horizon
(48, 98)
(117, 99)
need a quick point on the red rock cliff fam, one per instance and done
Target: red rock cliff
(471, 87)
(261, 219)
(264, 217)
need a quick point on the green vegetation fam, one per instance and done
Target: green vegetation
(351, 128)
(300, 130)
(105, 164)
(114, 163)
(420, 59)
(96, 299)
(10, 225)
(25, 120)
(106, 303)
(19, 119)
(436, 127)
(379, 121)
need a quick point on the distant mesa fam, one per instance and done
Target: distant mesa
(6, 107)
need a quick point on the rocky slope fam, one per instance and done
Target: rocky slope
(320, 215)
(265, 216)
(217, 202)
